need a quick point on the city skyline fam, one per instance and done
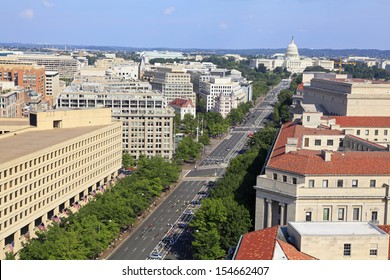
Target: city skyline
(227, 24)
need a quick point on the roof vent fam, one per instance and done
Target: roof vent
(326, 155)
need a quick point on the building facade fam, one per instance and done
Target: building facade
(349, 97)
(183, 107)
(27, 77)
(60, 159)
(146, 118)
(321, 170)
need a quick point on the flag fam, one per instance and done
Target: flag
(85, 198)
(42, 227)
(76, 205)
(11, 246)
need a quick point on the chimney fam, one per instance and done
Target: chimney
(326, 155)
(292, 145)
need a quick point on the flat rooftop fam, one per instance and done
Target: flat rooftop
(336, 228)
(14, 122)
(24, 143)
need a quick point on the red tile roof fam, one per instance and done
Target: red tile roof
(180, 102)
(258, 245)
(300, 87)
(386, 228)
(311, 162)
(362, 121)
(292, 253)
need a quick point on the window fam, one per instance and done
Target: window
(325, 214)
(373, 249)
(329, 142)
(311, 183)
(339, 183)
(367, 132)
(385, 132)
(275, 176)
(376, 132)
(324, 183)
(308, 216)
(347, 249)
(355, 183)
(308, 118)
(284, 178)
(356, 214)
(374, 216)
(358, 132)
(294, 180)
(306, 142)
(340, 214)
(317, 142)
(372, 183)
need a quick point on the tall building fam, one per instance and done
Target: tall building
(147, 120)
(349, 97)
(52, 86)
(66, 66)
(25, 76)
(173, 82)
(222, 95)
(62, 157)
(326, 169)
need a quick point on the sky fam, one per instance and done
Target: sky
(223, 24)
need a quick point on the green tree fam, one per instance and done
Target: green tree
(127, 160)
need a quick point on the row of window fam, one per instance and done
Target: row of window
(341, 214)
(340, 183)
(376, 132)
(347, 250)
(49, 199)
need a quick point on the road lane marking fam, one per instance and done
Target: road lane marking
(134, 249)
(126, 248)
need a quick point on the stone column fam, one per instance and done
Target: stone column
(269, 213)
(259, 213)
(282, 209)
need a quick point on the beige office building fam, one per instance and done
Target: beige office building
(349, 97)
(172, 81)
(320, 169)
(52, 165)
(146, 117)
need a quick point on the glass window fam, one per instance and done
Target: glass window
(275, 176)
(358, 132)
(373, 249)
(329, 142)
(339, 183)
(294, 180)
(317, 142)
(308, 216)
(385, 132)
(347, 249)
(311, 183)
(374, 216)
(356, 214)
(326, 214)
(324, 183)
(355, 183)
(284, 178)
(372, 183)
(340, 214)
(367, 132)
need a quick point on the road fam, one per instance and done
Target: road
(163, 234)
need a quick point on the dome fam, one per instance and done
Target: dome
(292, 50)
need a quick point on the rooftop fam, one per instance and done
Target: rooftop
(365, 121)
(336, 228)
(34, 141)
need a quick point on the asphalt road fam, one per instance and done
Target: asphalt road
(148, 235)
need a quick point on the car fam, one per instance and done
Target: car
(181, 225)
(227, 149)
(202, 192)
(195, 202)
(188, 212)
(155, 256)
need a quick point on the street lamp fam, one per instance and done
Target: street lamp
(102, 222)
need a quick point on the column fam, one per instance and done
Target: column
(282, 209)
(269, 213)
(259, 213)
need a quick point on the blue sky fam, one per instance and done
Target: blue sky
(241, 24)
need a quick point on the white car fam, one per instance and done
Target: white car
(155, 256)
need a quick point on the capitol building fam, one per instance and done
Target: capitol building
(292, 61)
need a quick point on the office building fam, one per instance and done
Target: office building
(53, 165)
(326, 169)
(147, 120)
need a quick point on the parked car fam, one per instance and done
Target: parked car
(155, 256)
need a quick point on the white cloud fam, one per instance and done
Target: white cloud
(223, 26)
(168, 11)
(48, 4)
(27, 14)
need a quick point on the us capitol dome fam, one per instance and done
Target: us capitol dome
(292, 50)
